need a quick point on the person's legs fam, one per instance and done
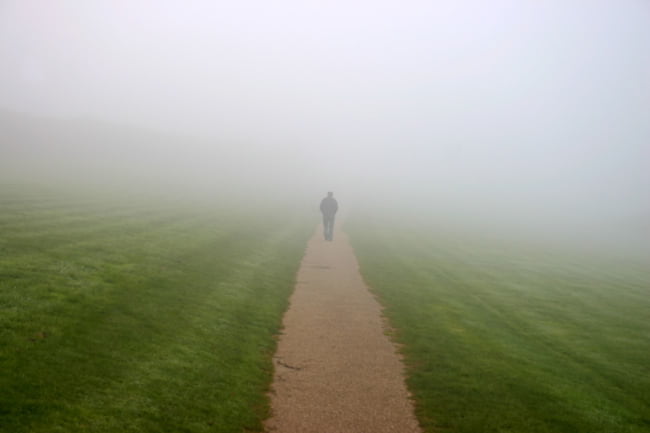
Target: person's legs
(328, 227)
(325, 227)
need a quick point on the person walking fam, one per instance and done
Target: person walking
(328, 207)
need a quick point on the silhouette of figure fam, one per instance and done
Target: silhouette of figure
(328, 207)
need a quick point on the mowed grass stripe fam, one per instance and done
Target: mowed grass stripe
(47, 211)
(57, 227)
(65, 256)
(519, 341)
(72, 263)
(168, 327)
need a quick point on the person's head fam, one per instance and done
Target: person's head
(330, 194)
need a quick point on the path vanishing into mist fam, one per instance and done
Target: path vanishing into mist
(335, 369)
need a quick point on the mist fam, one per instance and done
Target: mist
(529, 116)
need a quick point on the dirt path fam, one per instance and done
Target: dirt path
(335, 369)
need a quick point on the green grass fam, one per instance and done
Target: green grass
(139, 316)
(501, 337)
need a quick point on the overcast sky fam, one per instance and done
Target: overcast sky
(540, 104)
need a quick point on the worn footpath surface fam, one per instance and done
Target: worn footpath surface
(335, 369)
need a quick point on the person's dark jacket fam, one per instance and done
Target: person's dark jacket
(329, 206)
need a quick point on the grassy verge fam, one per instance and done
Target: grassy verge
(139, 317)
(500, 338)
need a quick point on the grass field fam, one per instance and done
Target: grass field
(502, 337)
(139, 315)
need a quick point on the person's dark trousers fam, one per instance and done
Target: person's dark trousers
(328, 227)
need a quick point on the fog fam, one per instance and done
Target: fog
(523, 114)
